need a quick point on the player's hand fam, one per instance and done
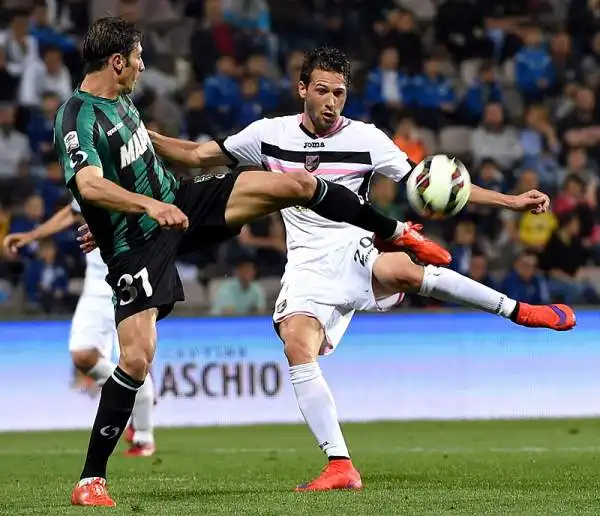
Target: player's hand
(15, 241)
(86, 239)
(533, 201)
(167, 215)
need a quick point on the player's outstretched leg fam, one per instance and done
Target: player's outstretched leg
(396, 272)
(303, 336)
(258, 193)
(137, 340)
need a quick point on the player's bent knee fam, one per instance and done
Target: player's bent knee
(85, 360)
(302, 187)
(302, 338)
(398, 272)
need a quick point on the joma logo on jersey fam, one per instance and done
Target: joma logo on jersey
(314, 145)
(135, 147)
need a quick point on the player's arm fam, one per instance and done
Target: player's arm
(96, 189)
(240, 149)
(192, 154)
(62, 219)
(533, 200)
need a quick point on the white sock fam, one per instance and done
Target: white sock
(143, 412)
(102, 370)
(318, 408)
(448, 285)
(400, 227)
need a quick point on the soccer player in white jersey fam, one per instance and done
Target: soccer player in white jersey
(334, 269)
(93, 335)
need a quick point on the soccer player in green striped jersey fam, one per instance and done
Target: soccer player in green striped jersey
(142, 218)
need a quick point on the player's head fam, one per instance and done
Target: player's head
(323, 86)
(113, 46)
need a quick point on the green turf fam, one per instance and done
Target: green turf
(498, 467)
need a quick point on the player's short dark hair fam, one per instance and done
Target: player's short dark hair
(106, 37)
(328, 59)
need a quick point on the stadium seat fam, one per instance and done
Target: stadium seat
(455, 140)
(195, 294)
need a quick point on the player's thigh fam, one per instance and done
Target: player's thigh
(395, 272)
(257, 193)
(92, 328)
(302, 336)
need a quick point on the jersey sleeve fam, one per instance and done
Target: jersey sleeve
(388, 159)
(74, 139)
(244, 148)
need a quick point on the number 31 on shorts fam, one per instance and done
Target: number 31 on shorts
(128, 286)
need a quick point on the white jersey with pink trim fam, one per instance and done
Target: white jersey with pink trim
(348, 154)
(95, 271)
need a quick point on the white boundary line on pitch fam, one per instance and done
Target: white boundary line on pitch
(398, 450)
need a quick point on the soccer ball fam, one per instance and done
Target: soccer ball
(439, 187)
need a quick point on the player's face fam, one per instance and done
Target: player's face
(132, 71)
(324, 98)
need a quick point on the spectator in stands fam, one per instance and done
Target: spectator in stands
(484, 89)
(479, 272)
(580, 165)
(222, 92)
(9, 83)
(15, 154)
(493, 139)
(49, 75)
(535, 74)
(240, 295)
(460, 27)
(357, 105)
(572, 198)
(264, 241)
(488, 176)
(525, 282)
(504, 21)
(46, 35)
(251, 19)
(583, 21)
(32, 217)
(408, 140)
(464, 246)
(541, 146)
(21, 48)
(382, 194)
(249, 109)
(40, 128)
(257, 66)
(388, 89)
(199, 122)
(52, 187)
(212, 37)
(581, 128)
(432, 96)
(563, 259)
(46, 281)
(399, 32)
(591, 63)
(566, 65)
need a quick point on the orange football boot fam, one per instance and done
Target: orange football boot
(555, 317)
(92, 492)
(411, 239)
(141, 450)
(338, 474)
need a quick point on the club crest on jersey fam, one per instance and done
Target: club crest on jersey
(311, 162)
(71, 141)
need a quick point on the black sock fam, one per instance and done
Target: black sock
(337, 203)
(514, 313)
(116, 404)
(333, 457)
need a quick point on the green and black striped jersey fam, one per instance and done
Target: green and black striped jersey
(109, 134)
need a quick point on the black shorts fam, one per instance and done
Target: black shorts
(146, 277)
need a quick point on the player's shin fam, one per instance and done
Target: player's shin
(334, 202)
(114, 410)
(318, 408)
(450, 286)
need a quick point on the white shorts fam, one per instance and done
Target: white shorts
(93, 326)
(333, 289)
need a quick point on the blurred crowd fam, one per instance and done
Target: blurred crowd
(509, 86)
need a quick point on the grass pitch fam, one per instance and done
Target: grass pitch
(489, 467)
